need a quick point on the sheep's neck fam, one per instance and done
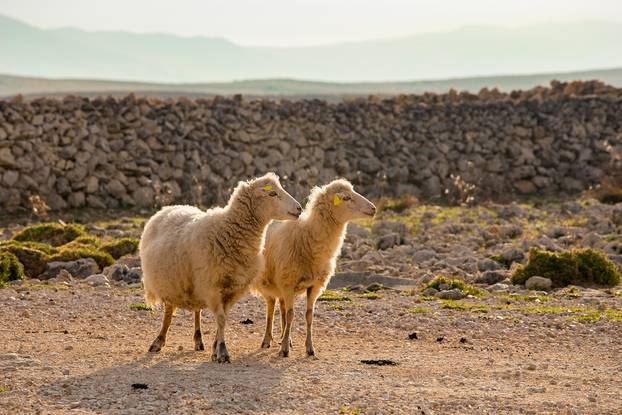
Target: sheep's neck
(248, 228)
(326, 233)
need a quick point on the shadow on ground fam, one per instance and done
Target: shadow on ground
(175, 382)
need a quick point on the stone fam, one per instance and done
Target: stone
(525, 186)
(488, 265)
(10, 177)
(388, 241)
(134, 275)
(97, 280)
(424, 255)
(490, 277)
(143, 197)
(430, 292)
(116, 272)
(92, 184)
(80, 268)
(538, 283)
(453, 294)
(7, 159)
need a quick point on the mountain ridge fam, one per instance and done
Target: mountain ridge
(164, 58)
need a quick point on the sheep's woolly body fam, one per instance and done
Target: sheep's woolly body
(197, 259)
(303, 253)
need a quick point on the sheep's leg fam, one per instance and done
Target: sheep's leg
(312, 294)
(159, 341)
(219, 349)
(198, 338)
(282, 311)
(267, 338)
(289, 318)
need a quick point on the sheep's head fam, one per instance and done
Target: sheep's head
(270, 201)
(340, 201)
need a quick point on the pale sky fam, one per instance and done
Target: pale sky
(300, 22)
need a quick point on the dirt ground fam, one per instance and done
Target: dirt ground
(79, 349)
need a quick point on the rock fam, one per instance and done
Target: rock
(538, 283)
(134, 275)
(424, 255)
(488, 265)
(525, 186)
(429, 292)
(512, 254)
(453, 294)
(80, 268)
(388, 241)
(7, 159)
(499, 287)
(490, 277)
(116, 272)
(143, 197)
(97, 280)
(9, 178)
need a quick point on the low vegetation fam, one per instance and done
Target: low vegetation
(443, 283)
(140, 307)
(39, 244)
(10, 268)
(330, 295)
(582, 267)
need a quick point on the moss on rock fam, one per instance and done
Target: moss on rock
(33, 260)
(10, 268)
(581, 267)
(441, 283)
(121, 247)
(54, 234)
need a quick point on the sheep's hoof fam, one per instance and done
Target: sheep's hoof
(199, 347)
(224, 359)
(214, 358)
(156, 346)
(284, 353)
(311, 352)
(265, 344)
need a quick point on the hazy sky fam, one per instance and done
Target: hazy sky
(300, 22)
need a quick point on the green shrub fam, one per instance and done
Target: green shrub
(122, 247)
(10, 268)
(54, 234)
(577, 267)
(467, 289)
(33, 261)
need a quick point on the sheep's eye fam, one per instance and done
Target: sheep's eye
(272, 193)
(346, 198)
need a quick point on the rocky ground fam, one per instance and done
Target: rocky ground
(77, 343)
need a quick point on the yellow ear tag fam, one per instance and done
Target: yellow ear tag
(336, 200)
(267, 188)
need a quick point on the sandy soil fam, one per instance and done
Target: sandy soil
(79, 349)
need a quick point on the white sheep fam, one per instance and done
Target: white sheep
(196, 259)
(301, 255)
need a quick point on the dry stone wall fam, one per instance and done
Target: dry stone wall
(107, 153)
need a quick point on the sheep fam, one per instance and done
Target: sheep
(300, 255)
(194, 259)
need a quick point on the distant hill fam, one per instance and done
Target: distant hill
(34, 87)
(471, 51)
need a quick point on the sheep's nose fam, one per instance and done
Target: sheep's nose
(373, 210)
(299, 209)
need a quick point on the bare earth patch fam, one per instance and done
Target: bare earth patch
(80, 349)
